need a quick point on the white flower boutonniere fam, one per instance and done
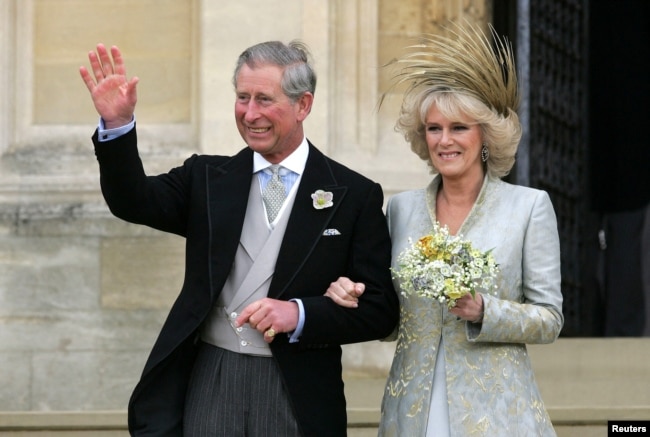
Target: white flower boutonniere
(322, 199)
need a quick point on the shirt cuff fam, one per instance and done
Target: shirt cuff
(110, 134)
(295, 335)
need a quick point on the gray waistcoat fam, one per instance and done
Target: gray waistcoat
(249, 279)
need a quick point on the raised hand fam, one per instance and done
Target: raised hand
(113, 95)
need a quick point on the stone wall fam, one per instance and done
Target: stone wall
(82, 294)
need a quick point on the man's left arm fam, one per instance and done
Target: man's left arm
(317, 319)
(369, 254)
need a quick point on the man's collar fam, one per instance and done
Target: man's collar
(295, 162)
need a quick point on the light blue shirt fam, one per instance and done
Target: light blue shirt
(110, 134)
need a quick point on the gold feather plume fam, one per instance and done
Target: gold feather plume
(467, 61)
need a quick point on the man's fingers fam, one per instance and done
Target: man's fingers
(87, 78)
(106, 62)
(269, 335)
(96, 66)
(243, 317)
(118, 61)
(248, 315)
(132, 90)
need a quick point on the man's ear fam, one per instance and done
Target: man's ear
(304, 103)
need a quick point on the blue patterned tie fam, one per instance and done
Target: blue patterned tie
(274, 194)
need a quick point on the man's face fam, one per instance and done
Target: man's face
(268, 121)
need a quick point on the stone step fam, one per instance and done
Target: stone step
(584, 383)
(568, 421)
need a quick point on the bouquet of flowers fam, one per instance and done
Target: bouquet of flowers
(445, 267)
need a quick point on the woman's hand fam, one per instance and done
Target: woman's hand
(469, 308)
(345, 292)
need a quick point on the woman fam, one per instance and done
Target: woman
(464, 370)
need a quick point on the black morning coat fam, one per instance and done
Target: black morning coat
(204, 200)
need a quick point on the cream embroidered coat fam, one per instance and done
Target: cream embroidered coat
(490, 384)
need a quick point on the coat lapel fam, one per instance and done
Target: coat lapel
(228, 187)
(306, 224)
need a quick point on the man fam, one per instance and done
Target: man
(251, 346)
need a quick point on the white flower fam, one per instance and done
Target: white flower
(322, 199)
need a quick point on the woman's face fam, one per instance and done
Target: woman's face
(454, 146)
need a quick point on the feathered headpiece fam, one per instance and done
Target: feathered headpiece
(466, 61)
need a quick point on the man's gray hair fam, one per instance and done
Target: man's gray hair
(298, 76)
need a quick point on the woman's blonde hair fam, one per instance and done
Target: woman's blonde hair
(469, 77)
(500, 133)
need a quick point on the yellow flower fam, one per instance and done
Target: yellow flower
(426, 247)
(452, 291)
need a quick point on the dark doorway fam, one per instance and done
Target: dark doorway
(585, 82)
(619, 146)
